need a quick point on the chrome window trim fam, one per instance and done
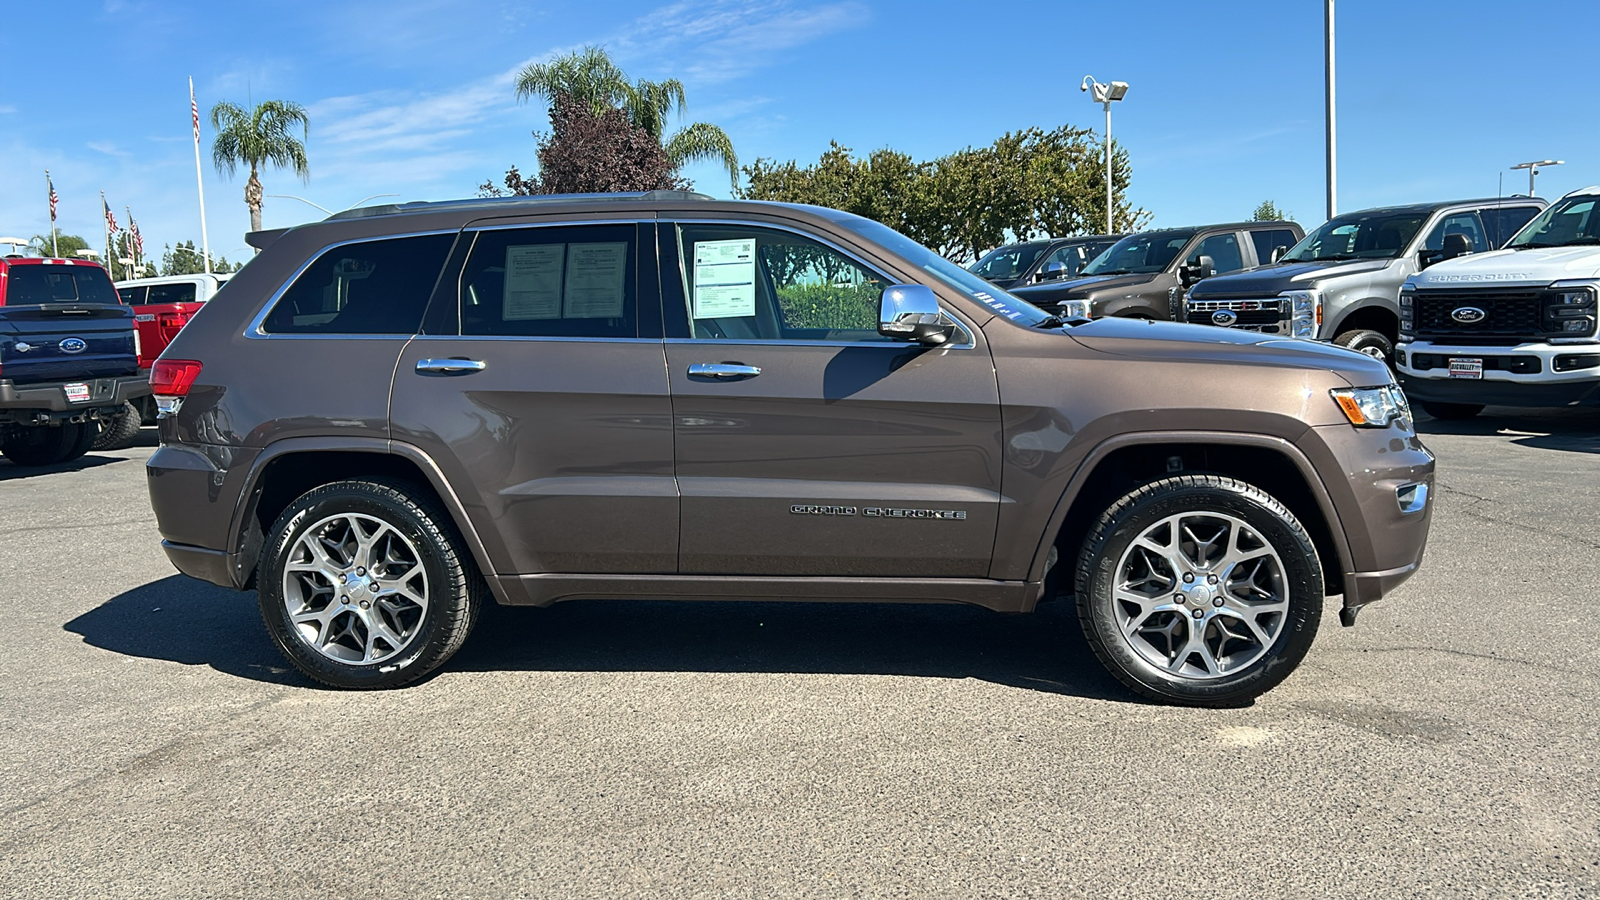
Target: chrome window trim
(966, 328)
(533, 337)
(253, 330)
(556, 223)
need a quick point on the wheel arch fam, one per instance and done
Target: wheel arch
(1120, 464)
(1371, 315)
(287, 469)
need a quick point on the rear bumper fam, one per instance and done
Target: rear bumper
(50, 397)
(215, 566)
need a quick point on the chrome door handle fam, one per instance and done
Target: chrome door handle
(723, 370)
(450, 366)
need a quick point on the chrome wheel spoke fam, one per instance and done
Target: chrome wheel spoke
(355, 588)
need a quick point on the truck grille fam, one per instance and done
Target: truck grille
(1267, 316)
(1509, 313)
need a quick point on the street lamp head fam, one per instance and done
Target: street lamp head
(1119, 89)
(1539, 164)
(1104, 93)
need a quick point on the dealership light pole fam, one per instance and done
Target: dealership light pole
(1534, 167)
(1104, 94)
(1327, 56)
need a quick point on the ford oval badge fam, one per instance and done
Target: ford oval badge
(1224, 317)
(1467, 315)
(73, 345)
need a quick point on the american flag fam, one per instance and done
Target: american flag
(138, 239)
(194, 110)
(53, 198)
(111, 220)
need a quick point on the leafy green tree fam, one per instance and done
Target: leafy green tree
(66, 245)
(592, 78)
(1269, 212)
(259, 136)
(185, 259)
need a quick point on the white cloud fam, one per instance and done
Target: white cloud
(107, 148)
(721, 40)
(6, 110)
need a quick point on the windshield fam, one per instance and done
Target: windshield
(1359, 236)
(41, 284)
(1009, 305)
(1570, 221)
(1007, 263)
(1139, 253)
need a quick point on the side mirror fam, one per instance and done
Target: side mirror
(910, 312)
(1456, 245)
(1052, 272)
(1198, 270)
(1278, 252)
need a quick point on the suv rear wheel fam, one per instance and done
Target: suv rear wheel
(1199, 590)
(363, 585)
(1373, 343)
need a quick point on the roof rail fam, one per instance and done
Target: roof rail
(389, 209)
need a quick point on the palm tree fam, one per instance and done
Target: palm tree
(590, 76)
(260, 135)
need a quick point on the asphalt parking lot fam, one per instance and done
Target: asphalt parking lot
(153, 743)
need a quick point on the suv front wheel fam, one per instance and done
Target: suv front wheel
(364, 585)
(1200, 590)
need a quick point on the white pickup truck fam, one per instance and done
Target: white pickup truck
(1514, 327)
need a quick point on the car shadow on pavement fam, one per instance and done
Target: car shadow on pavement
(190, 622)
(1571, 430)
(10, 471)
(1043, 651)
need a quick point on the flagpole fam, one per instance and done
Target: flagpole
(199, 181)
(50, 190)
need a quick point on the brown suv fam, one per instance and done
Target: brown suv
(395, 413)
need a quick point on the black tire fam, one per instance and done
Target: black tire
(1373, 343)
(455, 589)
(1452, 412)
(1147, 508)
(119, 432)
(46, 445)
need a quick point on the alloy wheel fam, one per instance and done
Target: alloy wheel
(355, 589)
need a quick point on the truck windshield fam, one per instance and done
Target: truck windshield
(1012, 307)
(41, 284)
(1007, 263)
(1571, 220)
(1359, 236)
(1139, 254)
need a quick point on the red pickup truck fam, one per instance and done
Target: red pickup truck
(161, 307)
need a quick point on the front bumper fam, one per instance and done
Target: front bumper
(1546, 386)
(35, 403)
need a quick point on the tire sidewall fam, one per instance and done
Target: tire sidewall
(1302, 575)
(1356, 340)
(333, 500)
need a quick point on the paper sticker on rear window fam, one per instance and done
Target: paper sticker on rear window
(533, 281)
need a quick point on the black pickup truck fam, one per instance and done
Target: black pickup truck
(69, 358)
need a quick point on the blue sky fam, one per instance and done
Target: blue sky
(415, 96)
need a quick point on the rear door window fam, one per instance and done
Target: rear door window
(1266, 241)
(575, 282)
(172, 293)
(369, 287)
(1501, 224)
(133, 296)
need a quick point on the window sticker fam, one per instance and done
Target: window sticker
(596, 276)
(533, 282)
(725, 279)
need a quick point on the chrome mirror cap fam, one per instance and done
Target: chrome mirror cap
(910, 312)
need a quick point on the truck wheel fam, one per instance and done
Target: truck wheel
(120, 431)
(1373, 343)
(80, 439)
(362, 585)
(1450, 411)
(45, 445)
(1199, 590)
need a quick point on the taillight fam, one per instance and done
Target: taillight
(170, 380)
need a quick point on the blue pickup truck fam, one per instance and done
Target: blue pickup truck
(69, 359)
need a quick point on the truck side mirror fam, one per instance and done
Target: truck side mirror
(1278, 252)
(1202, 268)
(910, 312)
(1052, 272)
(1456, 245)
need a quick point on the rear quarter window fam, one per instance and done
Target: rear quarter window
(1501, 224)
(370, 287)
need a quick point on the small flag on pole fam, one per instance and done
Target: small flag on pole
(111, 219)
(53, 198)
(194, 111)
(138, 239)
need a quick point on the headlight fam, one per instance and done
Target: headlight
(1305, 313)
(1373, 407)
(1074, 309)
(1569, 309)
(1407, 309)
